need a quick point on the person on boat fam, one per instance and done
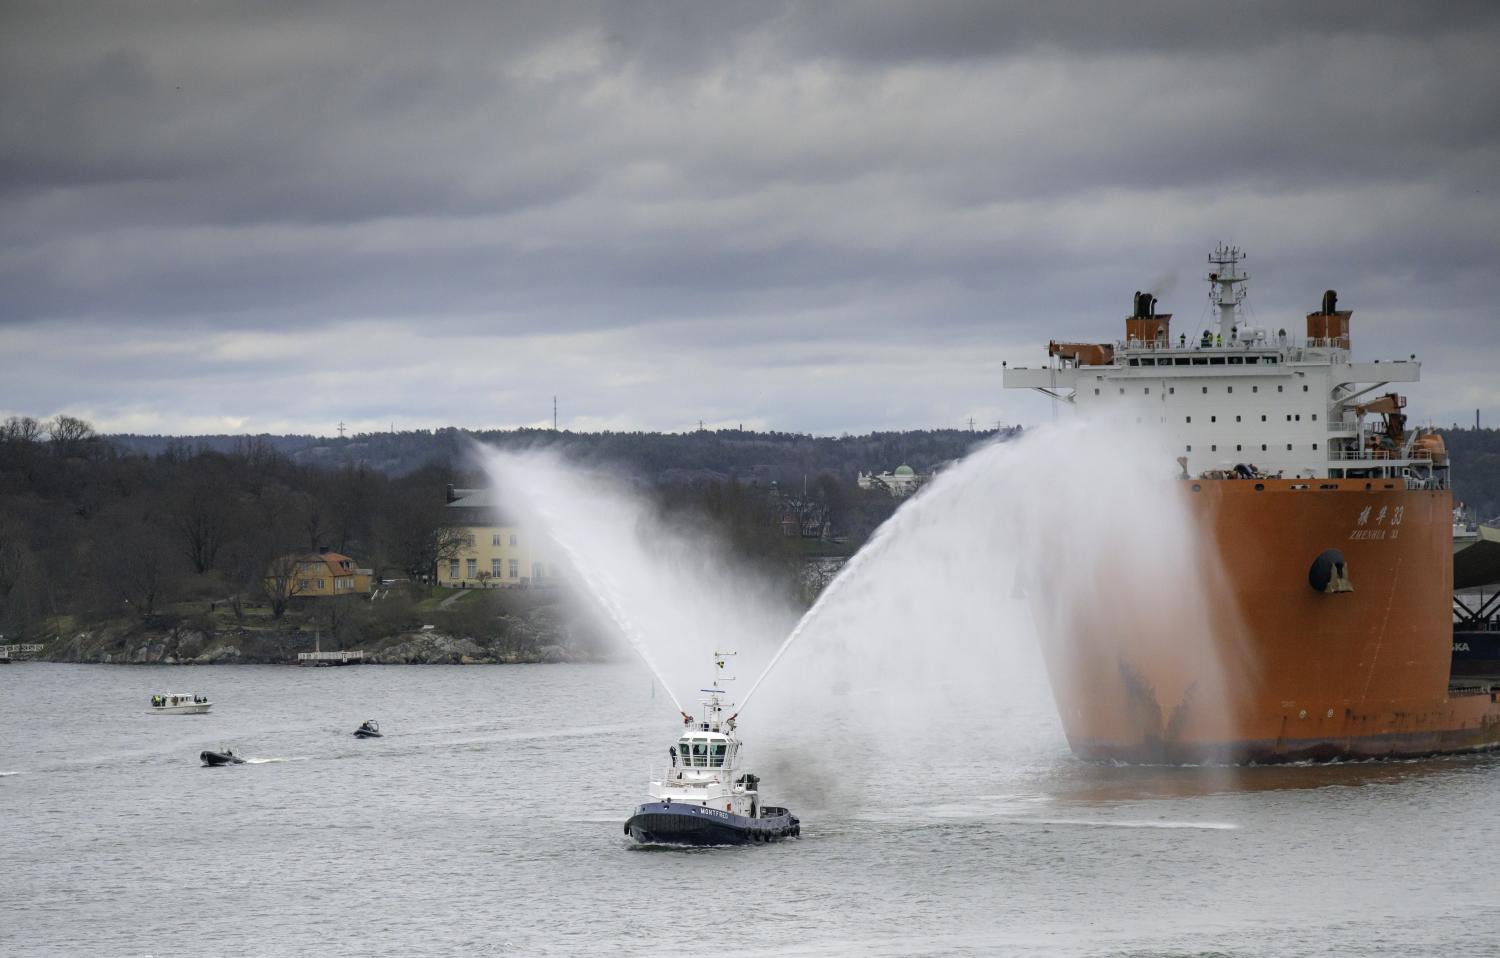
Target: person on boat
(672, 751)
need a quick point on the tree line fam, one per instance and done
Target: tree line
(93, 533)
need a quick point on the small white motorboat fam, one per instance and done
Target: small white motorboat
(179, 703)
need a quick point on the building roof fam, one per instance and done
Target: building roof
(478, 502)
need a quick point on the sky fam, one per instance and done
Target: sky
(812, 217)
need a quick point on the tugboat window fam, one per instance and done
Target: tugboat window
(718, 756)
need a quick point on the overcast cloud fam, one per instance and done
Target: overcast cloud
(816, 217)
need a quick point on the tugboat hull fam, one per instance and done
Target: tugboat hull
(215, 759)
(663, 823)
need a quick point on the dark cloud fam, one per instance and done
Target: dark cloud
(806, 215)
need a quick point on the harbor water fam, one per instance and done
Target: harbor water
(488, 819)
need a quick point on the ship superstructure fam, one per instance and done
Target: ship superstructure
(1329, 526)
(1237, 394)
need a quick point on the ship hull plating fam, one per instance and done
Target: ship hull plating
(1274, 670)
(665, 823)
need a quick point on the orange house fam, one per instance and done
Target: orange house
(327, 573)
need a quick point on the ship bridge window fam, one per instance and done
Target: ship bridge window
(1252, 360)
(699, 753)
(1135, 362)
(717, 753)
(1181, 361)
(1235, 360)
(1199, 361)
(1216, 360)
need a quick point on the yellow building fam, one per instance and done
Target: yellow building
(492, 552)
(321, 573)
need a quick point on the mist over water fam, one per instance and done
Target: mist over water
(926, 648)
(671, 591)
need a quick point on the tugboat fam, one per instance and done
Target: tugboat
(370, 729)
(224, 757)
(706, 797)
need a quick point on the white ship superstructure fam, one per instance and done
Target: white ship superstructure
(1242, 395)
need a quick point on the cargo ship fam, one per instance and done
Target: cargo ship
(1326, 523)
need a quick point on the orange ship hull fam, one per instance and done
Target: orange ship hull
(1272, 669)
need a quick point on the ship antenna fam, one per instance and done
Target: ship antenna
(1226, 287)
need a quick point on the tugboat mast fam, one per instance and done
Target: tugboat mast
(1226, 289)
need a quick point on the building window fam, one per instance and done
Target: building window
(320, 585)
(1278, 389)
(495, 566)
(1147, 390)
(1315, 447)
(1315, 417)
(1304, 389)
(1288, 417)
(1262, 447)
(1096, 390)
(1205, 390)
(1171, 390)
(473, 569)
(515, 569)
(469, 540)
(1189, 418)
(1262, 417)
(1236, 418)
(536, 570)
(301, 585)
(1229, 389)
(1288, 447)
(512, 538)
(1237, 447)
(1213, 448)
(1213, 418)
(1189, 448)
(453, 568)
(1298, 417)
(1255, 389)
(495, 539)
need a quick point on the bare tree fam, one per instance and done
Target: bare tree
(283, 581)
(200, 521)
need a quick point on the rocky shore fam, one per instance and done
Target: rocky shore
(538, 636)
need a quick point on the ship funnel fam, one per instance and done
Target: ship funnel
(1146, 325)
(1329, 327)
(1145, 305)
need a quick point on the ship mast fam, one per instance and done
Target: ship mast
(1227, 288)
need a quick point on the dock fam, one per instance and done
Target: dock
(322, 659)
